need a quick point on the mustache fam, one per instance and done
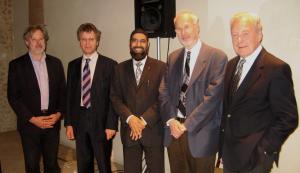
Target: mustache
(138, 47)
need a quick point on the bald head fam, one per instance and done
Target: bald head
(187, 28)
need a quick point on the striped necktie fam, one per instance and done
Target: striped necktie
(186, 79)
(237, 77)
(86, 85)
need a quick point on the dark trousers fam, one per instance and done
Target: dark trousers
(265, 164)
(43, 144)
(154, 157)
(182, 161)
(89, 146)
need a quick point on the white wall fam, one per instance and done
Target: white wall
(116, 20)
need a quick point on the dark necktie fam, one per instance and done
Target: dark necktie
(186, 79)
(86, 85)
(236, 78)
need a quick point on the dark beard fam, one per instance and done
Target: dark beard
(138, 56)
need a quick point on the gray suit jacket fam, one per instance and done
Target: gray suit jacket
(204, 98)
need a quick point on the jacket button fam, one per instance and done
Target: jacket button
(228, 116)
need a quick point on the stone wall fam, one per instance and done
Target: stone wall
(7, 117)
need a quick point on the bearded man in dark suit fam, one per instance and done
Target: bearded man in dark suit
(134, 95)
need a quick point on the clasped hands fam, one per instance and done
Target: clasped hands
(108, 132)
(137, 126)
(45, 122)
(177, 129)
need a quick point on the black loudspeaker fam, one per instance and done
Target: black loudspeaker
(155, 17)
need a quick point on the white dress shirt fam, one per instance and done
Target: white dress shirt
(92, 65)
(248, 64)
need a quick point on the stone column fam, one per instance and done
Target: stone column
(7, 117)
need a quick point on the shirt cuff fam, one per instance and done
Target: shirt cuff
(168, 122)
(127, 120)
(144, 121)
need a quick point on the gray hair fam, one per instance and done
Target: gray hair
(188, 14)
(31, 29)
(247, 17)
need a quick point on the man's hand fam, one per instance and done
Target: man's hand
(70, 133)
(110, 133)
(135, 136)
(136, 125)
(41, 122)
(53, 118)
(177, 129)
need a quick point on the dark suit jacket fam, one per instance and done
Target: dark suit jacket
(100, 104)
(24, 94)
(203, 98)
(142, 100)
(262, 113)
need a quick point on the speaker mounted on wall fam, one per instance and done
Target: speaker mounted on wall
(155, 17)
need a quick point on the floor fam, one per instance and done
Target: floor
(12, 161)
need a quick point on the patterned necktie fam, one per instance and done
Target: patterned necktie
(138, 72)
(236, 78)
(86, 85)
(186, 79)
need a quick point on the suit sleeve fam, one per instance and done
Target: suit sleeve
(14, 94)
(68, 118)
(112, 119)
(167, 109)
(284, 109)
(212, 98)
(152, 115)
(116, 98)
(62, 90)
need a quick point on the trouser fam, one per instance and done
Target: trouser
(182, 161)
(89, 146)
(41, 144)
(133, 158)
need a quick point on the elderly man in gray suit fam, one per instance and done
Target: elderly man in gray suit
(191, 99)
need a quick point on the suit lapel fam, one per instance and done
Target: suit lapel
(98, 72)
(253, 75)
(230, 71)
(50, 76)
(78, 73)
(129, 72)
(200, 64)
(30, 73)
(178, 69)
(146, 72)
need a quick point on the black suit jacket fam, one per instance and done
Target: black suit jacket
(24, 94)
(262, 114)
(141, 100)
(100, 103)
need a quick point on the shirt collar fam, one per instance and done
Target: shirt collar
(33, 60)
(252, 57)
(92, 57)
(195, 48)
(143, 61)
